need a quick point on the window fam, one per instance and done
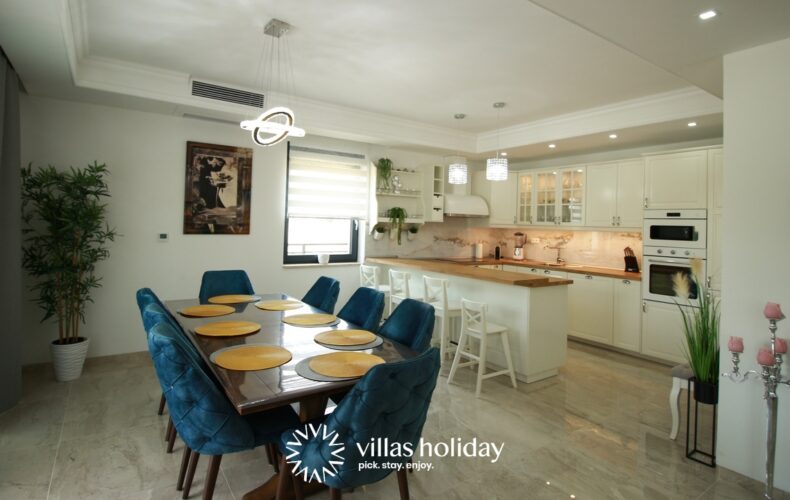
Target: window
(327, 196)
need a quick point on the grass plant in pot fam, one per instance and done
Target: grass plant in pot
(65, 235)
(701, 332)
(384, 171)
(397, 217)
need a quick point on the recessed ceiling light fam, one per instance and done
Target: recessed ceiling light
(580, 170)
(503, 153)
(552, 146)
(708, 14)
(612, 136)
(555, 173)
(692, 124)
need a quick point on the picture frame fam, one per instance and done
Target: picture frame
(218, 188)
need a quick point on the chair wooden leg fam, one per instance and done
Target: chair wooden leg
(161, 405)
(211, 476)
(169, 429)
(334, 494)
(171, 440)
(284, 480)
(193, 460)
(272, 449)
(297, 485)
(403, 484)
(184, 462)
(269, 454)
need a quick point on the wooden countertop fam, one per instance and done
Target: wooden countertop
(595, 271)
(469, 271)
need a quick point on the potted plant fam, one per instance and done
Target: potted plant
(413, 230)
(701, 333)
(378, 231)
(397, 216)
(384, 169)
(65, 234)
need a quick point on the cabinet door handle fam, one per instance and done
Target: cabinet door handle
(613, 220)
(645, 201)
(588, 277)
(626, 282)
(644, 307)
(707, 282)
(546, 271)
(514, 219)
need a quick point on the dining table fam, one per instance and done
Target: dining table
(260, 390)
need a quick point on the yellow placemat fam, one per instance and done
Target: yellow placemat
(344, 364)
(232, 299)
(227, 328)
(279, 305)
(252, 357)
(310, 319)
(206, 311)
(345, 337)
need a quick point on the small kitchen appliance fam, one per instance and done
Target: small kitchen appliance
(518, 248)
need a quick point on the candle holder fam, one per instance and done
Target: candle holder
(771, 376)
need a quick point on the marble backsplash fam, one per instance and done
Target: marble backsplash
(456, 237)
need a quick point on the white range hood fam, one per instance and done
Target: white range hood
(465, 205)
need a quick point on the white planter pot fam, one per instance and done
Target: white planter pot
(411, 236)
(378, 236)
(68, 359)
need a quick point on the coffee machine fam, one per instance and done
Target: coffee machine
(518, 248)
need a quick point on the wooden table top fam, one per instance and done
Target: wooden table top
(254, 391)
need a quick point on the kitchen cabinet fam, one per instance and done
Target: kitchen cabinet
(676, 180)
(615, 194)
(434, 202)
(715, 185)
(591, 308)
(559, 197)
(497, 267)
(525, 208)
(662, 331)
(502, 201)
(626, 317)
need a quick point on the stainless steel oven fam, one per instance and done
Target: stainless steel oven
(675, 228)
(661, 264)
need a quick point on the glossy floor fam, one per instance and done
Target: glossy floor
(598, 431)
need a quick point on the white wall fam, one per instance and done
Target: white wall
(146, 155)
(756, 238)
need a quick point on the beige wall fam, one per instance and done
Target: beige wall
(756, 238)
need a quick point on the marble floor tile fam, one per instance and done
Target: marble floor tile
(25, 473)
(33, 424)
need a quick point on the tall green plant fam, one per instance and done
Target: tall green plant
(65, 235)
(700, 326)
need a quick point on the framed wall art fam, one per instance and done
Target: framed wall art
(218, 186)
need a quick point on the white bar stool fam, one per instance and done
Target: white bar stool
(474, 324)
(680, 377)
(445, 310)
(399, 288)
(369, 277)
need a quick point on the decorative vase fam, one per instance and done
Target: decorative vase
(705, 392)
(377, 236)
(68, 359)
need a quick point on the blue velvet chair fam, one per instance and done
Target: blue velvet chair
(323, 294)
(224, 283)
(390, 402)
(145, 297)
(411, 324)
(201, 413)
(364, 309)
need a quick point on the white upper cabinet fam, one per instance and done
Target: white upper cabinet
(525, 214)
(676, 180)
(502, 201)
(559, 197)
(630, 193)
(614, 194)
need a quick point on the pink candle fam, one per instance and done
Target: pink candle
(773, 311)
(765, 357)
(781, 346)
(735, 344)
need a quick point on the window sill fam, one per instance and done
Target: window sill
(315, 264)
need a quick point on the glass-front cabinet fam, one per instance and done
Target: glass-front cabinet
(558, 197)
(572, 196)
(545, 197)
(525, 206)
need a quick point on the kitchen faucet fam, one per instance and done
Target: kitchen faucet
(558, 248)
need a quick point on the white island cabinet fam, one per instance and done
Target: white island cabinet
(536, 314)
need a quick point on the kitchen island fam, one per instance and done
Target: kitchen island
(534, 308)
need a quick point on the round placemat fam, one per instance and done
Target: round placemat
(345, 337)
(279, 305)
(227, 328)
(310, 319)
(344, 364)
(251, 357)
(379, 341)
(206, 311)
(233, 299)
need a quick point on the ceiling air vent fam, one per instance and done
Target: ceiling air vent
(226, 94)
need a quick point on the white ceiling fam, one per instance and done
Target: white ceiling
(396, 72)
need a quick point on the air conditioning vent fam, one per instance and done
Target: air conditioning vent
(226, 94)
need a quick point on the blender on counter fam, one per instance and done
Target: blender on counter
(518, 249)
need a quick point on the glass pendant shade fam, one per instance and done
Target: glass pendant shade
(496, 169)
(457, 172)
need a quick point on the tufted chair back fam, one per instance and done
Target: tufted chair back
(147, 296)
(411, 323)
(224, 283)
(202, 415)
(323, 294)
(364, 309)
(390, 402)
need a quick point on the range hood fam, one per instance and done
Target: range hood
(465, 205)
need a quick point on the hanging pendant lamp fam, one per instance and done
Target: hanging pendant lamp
(457, 170)
(496, 168)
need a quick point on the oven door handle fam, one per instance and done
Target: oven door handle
(667, 261)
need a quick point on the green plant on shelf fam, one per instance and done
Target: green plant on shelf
(397, 217)
(384, 170)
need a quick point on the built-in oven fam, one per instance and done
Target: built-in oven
(659, 267)
(675, 228)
